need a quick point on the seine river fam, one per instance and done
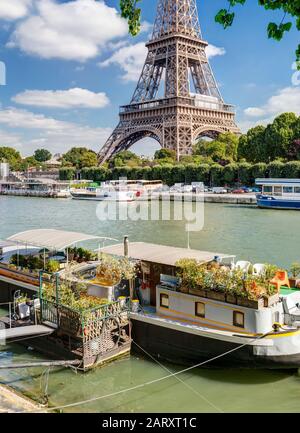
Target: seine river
(250, 233)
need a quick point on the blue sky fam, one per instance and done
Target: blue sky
(71, 64)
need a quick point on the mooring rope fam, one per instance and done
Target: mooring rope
(151, 382)
(179, 379)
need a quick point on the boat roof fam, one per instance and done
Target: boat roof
(162, 254)
(51, 239)
(288, 182)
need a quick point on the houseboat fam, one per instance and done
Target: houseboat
(189, 325)
(279, 194)
(34, 187)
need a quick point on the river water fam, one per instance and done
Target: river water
(251, 234)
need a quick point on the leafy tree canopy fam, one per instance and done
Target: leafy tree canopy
(80, 157)
(165, 153)
(223, 150)
(126, 158)
(290, 9)
(11, 156)
(42, 155)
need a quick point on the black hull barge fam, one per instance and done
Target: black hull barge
(203, 308)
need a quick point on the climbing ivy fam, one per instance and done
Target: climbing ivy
(131, 11)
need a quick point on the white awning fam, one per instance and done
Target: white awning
(52, 239)
(162, 254)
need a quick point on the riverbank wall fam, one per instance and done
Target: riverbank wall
(11, 401)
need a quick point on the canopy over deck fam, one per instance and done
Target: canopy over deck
(51, 239)
(162, 254)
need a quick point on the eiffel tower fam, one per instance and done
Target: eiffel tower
(190, 105)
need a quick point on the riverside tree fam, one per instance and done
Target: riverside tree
(42, 155)
(11, 156)
(290, 9)
(80, 157)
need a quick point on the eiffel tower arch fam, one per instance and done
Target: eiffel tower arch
(176, 61)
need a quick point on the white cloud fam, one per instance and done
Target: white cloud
(71, 98)
(287, 99)
(11, 10)
(77, 30)
(213, 51)
(15, 118)
(131, 58)
(37, 130)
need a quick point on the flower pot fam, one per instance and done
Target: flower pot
(230, 298)
(184, 289)
(269, 301)
(293, 282)
(198, 292)
(217, 296)
(250, 303)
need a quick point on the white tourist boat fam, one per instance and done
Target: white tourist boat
(103, 194)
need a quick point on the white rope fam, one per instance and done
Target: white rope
(180, 380)
(151, 382)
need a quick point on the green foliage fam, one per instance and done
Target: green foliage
(132, 13)
(125, 159)
(80, 157)
(30, 262)
(224, 149)
(295, 269)
(29, 162)
(52, 266)
(217, 278)
(252, 145)
(279, 135)
(11, 156)
(165, 154)
(42, 155)
(276, 169)
(67, 173)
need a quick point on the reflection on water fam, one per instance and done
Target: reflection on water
(252, 234)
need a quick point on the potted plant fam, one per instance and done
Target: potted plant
(188, 272)
(52, 266)
(272, 295)
(295, 273)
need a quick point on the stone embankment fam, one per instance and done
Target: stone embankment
(11, 401)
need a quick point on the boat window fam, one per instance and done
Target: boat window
(288, 189)
(268, 189)
(200, 309)
(297, 189)
(164, 300)
(239, 319)
(277, 190)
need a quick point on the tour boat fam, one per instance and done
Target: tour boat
(103, 194)
(279, 194)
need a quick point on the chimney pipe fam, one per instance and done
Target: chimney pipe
(126, 246)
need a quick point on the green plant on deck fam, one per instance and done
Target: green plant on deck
(18, 260)
(22, 299)
(52, 266)
(270, 271)
(190, 273)
(112, 270)
(72, 295)
(295, 270)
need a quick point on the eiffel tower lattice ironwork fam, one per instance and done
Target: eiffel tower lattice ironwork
(182, 114)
